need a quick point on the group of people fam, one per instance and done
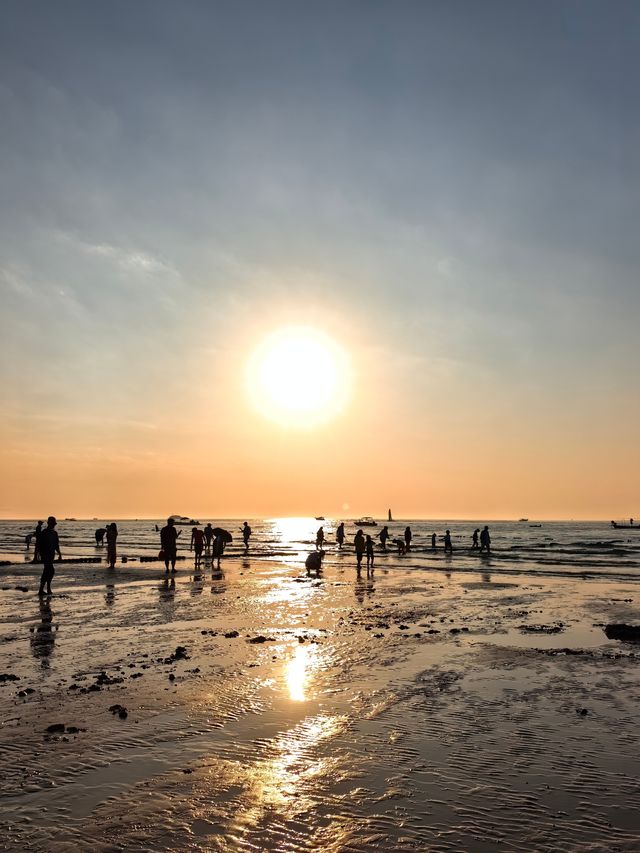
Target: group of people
(363, 544)
(209, 543)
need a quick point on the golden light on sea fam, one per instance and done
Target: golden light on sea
(299, 377)
(296, 674)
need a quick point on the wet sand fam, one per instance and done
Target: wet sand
(418, 710)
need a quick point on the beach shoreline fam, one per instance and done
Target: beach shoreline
(334, 712)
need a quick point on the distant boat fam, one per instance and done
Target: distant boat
(523, 519)
(319, 517)
(535, 525)
(366, 521)
(621, 525)
(183, 519)
(71, 519)
(389, 518)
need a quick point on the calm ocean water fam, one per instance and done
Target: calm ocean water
(555, 547)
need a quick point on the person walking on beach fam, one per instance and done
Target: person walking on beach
(369, 551)
(433, 541)
(169, 544)
(485, 540)
(246, 534)
(197, 544)
(48, 545)
(320, 538)
(475, 538)
(408, 536)
(112, 536)
(100, 534)
(383, 536)
(340, 535)
(208, 535)
(358, 541)
(448, 547)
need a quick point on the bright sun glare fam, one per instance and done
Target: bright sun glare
(299, 377)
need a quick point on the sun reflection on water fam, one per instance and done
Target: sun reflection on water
(296, 674)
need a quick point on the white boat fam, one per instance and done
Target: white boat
(366, 521)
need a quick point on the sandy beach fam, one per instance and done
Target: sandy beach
(430, 709)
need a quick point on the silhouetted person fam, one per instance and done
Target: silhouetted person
(246, 535)
(48, 545)
(360, 546)
(36, 551)
(169, 544)
(383, 536)
(313, 562)
(208, 535)
(400, 545)
(197, 544)
(408, 536)
(475, 538)
(100, 534)
(340, 534)
(433, 541)
(485, 540)
(368, 544)
(447, 542)
(112, 538)
(218, 547)
(320, 538)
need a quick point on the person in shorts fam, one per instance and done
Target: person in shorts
(48, 545)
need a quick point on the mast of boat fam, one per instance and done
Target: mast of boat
(389, 517)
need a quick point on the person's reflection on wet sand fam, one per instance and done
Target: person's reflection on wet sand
(363, 588)
(110, 595)
(43, 635)
(218, 585)
(197, 584)
(486, 577)
(167, 598)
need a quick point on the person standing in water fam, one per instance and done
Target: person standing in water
(485, 540)
(36, 551)
(408, 536)
(100, 534)
(433, 541)
(112, 536)
(197, 544)
(448, 547)
(208, 535)
(475, 538)
(383, 536)
(340, 535)
(358, 541)
(246, 534)
(169, 544)
(320, 538)
(48, 545)
(369, 551)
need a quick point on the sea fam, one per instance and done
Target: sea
(589, 548)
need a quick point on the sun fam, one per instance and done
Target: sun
(299, 377)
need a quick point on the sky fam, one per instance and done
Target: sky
(446, 189)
